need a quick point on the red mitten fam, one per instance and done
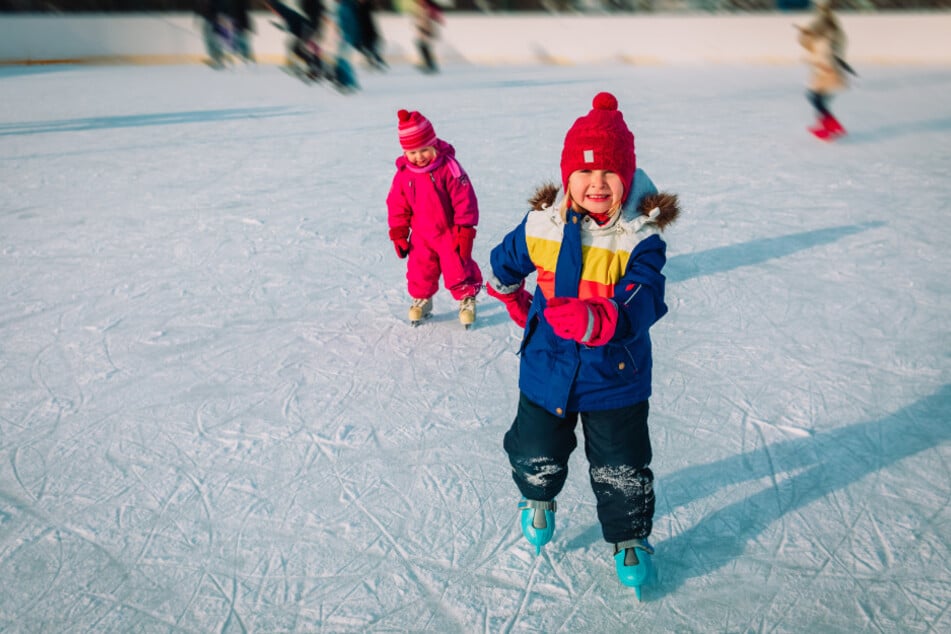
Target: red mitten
(517, 302)
(590, 321)
(400, 238)
(462, 238)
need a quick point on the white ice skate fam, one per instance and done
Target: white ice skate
(467, 311)
(420, 310)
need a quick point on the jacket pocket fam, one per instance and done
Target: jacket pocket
(610, 363)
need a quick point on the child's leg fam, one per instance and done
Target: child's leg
(819, 102)
(462, 279)
(618, 447)
(422, 271)
(538, 445)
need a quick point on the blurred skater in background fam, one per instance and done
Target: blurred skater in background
(304, 32)
(241, 29)
(370, 40)
(427, 16)
(209, 11)
(824, 41)
(225, 30)
(348, 25)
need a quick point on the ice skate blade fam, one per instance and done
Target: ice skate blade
(826, 135)
(416, 322)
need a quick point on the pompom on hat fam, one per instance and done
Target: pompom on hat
(415, 130)
(600, 140)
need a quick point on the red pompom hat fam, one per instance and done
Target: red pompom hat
(600, 140)
(415, 130)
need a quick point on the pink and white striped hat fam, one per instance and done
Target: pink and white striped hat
(415, 130)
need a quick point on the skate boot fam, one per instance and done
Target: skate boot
(467, 311)
(632, 559)
(828, 129)
(834, 127)
(538, 522)
(420, 310)
(818, 129)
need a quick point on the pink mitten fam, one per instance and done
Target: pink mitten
(462, 238)
(400, 238)
(590, 321)
(517, 302)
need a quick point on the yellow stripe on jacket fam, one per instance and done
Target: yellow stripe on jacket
(605, 250)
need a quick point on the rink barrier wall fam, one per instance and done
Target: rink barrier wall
(495, 39)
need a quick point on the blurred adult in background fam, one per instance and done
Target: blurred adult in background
(427, 16)
(824, 41)
(225, 30)
(348, 23)
(242, 27)
(211, 12)
(370, 41)
(304, 30)
(314, 12)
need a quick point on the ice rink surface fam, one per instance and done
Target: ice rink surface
(215, 418)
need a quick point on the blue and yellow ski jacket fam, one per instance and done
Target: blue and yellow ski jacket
(575, 257)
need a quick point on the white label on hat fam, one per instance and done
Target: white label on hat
(589, 156)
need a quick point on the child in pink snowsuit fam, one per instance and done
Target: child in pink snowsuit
(433, 212)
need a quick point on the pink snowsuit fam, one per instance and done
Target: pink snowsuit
(431, 201)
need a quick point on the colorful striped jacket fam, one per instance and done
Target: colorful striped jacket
(575, 257)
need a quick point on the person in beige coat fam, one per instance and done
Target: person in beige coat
(824, 42)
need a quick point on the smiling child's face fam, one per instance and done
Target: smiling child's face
(597, 191)
(421, 157)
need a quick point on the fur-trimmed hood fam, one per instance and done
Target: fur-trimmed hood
(666, 204)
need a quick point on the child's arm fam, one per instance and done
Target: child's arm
(518, 302)
(597, 320)
(462, 239)
(592, 322)
(400, 238)
(510, 261)
(399, 213)
(465, 209)
(640, 298)
(399, 216)
(639, 294)
(510, 266)
(465, 205)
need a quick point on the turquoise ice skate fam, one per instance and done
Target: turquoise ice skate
(633, 562)
(538, 522)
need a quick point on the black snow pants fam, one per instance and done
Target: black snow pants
(618, 448)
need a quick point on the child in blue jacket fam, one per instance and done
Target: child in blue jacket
(586, 349)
